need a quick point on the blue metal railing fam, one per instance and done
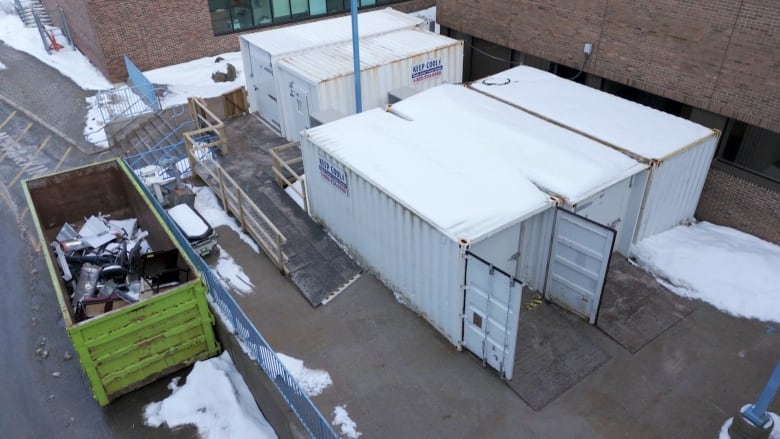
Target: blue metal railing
(124, 102)
(248, 335)
(145, 87)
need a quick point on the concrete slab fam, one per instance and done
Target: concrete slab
(399, 378)
(555, 350)
(635, 309)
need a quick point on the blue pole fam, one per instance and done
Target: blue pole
(757, 413)
(356, 57)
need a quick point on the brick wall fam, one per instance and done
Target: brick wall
(159, 33)
(733, 201)
(82, 31)
(720, 55)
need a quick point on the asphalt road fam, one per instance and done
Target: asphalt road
(43, 393)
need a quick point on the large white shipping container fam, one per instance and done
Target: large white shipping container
(678, 151)
(323, 80)
(446, 196)
(260, 50)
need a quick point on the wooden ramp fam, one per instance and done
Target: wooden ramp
(245, 182)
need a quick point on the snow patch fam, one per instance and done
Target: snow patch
(341, 419)
(215, 399)
(294, 191)
(724, 430)
(312, 381)
(210, 208)
(193, 78)
(734, 271)
(232, 274)
(67, 61)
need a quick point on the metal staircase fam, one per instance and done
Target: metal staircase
(34, 14)
(28, 10)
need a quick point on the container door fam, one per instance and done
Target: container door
(579, 259)
(301, 119)
(265, 88)
(492, 314)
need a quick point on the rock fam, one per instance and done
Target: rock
(42, 341)
(218, 77)
(42, 353)
(219, 59)
(67, 356)
(56, 374)
(231, 73)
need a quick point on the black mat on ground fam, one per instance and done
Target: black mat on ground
(555, 350)
(318, 267)
(635, 309)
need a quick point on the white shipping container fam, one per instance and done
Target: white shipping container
(446, 196)
(678, 151)
(323, 80)
(261, 50)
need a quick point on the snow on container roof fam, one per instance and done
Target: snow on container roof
(559, 161)
(467, 163)
(336, 60)
(641, 130)
(334, 30)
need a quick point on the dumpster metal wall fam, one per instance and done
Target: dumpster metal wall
(126, 348)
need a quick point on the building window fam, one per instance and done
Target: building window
(237, 15)
(751, 149)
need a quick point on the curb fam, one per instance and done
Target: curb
(81, 147)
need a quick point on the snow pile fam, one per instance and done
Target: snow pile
(295, 190)
(232, 274)
(724, 431)
(312, 381)
(67, 61)
(736, 272)
(341, 418)
(2, 66)
(193, 78)
(215, 399)
(207, 204)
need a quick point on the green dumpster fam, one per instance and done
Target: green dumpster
(130, 344)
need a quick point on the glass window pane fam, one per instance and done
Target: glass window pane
(241, 14)
(220, 16)
(317, 7)
(281, 10)
(367, 2)
(300, 8)
(337, 5)
(261, 12)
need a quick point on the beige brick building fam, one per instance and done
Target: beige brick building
(713, 61)
(164, 32)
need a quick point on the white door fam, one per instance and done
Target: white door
(492, 314)
(265, 89)
(300, 113)
(579, 259)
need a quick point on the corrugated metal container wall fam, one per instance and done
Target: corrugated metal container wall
(323, 80)
(534, 253)
(260, 50)
(675, 187)
(406, 252)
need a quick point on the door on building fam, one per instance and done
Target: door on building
(492, 311)
(579, 259)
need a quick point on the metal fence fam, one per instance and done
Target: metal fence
(253, 343)
(141, 83)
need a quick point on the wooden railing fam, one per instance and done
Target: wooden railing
(284, 180)
(234, 200)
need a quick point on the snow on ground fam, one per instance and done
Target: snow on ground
(724, 431)
(193, 78)
(294, 191)
(69, 62)
(209, 206)
(215, 399)
(312, 381)
(232, 274)
(341, 419)
(2, 66)
(736, 272)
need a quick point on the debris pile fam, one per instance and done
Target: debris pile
(106, 265)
